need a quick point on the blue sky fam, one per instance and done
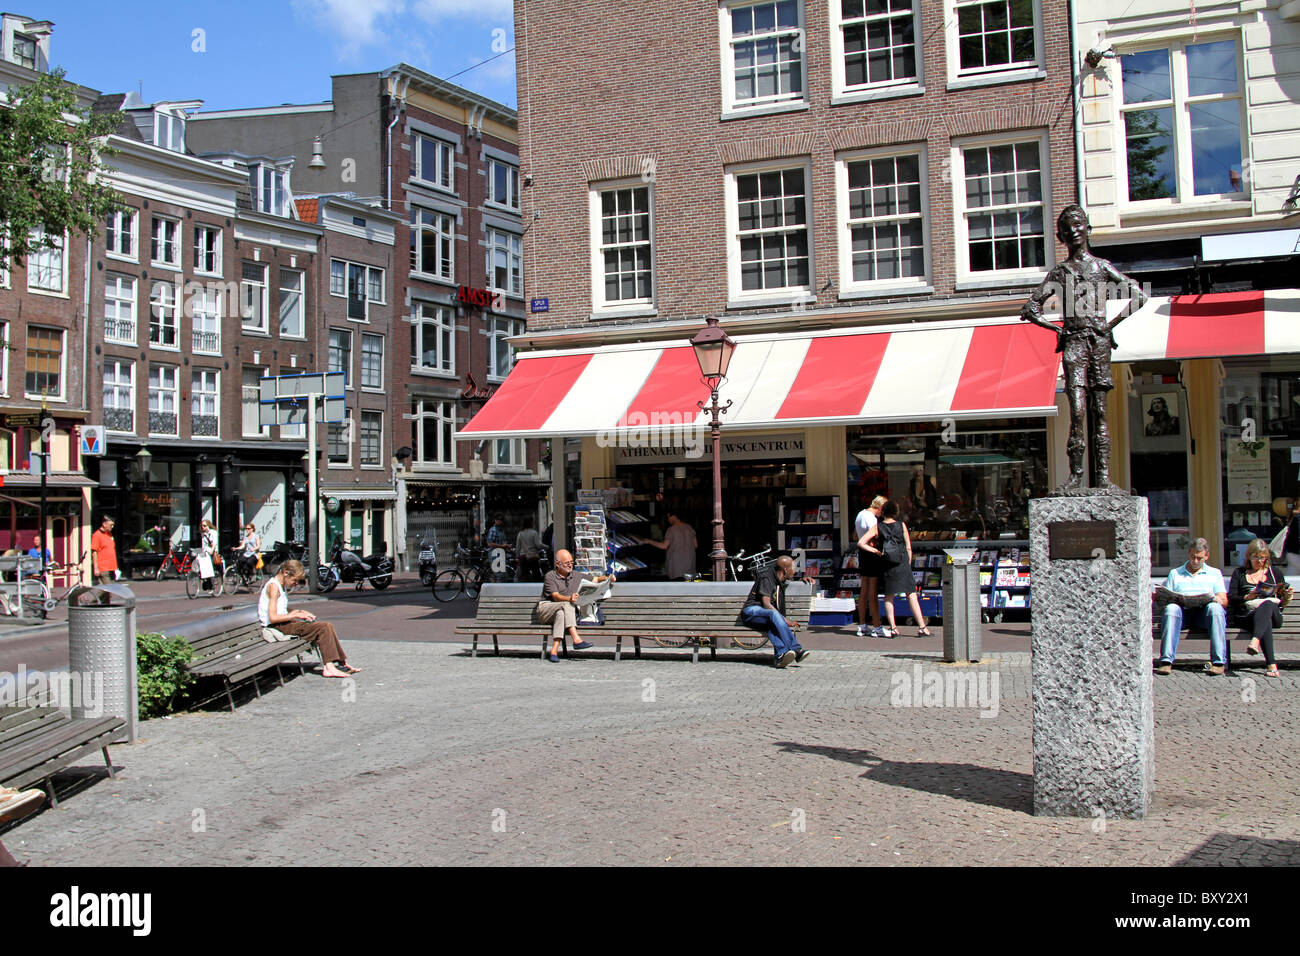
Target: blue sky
(267, 52)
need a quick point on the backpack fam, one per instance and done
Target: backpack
(895, 550)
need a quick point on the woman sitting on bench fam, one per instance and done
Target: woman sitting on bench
(273, 611)
(1257, 596)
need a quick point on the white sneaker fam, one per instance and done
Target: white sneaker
(862, 630)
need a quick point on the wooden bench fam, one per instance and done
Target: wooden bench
(698, 614)
(37, 741)
(230, 646)
(1289, 631)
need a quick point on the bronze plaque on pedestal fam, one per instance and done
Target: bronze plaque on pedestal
(1080, 540)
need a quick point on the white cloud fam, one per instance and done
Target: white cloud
(435, 11)
(352, 23)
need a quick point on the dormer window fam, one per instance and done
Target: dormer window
(169, 131)
(24, 50)
(268, 189)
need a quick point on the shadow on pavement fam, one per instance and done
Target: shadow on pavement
(69, 782)
(1230, 849)
(1007, 789)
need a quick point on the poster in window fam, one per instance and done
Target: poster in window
(1157, 420)
(1249, 480)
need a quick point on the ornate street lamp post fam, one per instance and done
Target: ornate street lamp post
(713, 348)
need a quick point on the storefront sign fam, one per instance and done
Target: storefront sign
(483, 298)
(1249, 481)
(737, 448)
(23, 419)
(473, 392)
(93, 440)
(1080, 540)
(261, 494)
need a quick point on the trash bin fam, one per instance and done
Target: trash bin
(101, 651)
(962, 625)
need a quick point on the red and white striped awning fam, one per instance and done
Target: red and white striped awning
(995, 367)
(1215, 325)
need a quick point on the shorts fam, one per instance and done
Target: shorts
(870, 565)
(1086, 358)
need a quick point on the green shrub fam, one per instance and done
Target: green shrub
(162, 675)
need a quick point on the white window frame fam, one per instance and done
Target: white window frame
(164, 309)
(759, 105)
(445, 270)
(203, 250)
(444, 162)
(348, 440)
(4, 359)
(512, 200)
(115, 322)
(120, 227)
(501, 328)
(204, 306)
(513, 249)
(361, 363)
(515, 454)
(844, 227)
(199, 396)
(114, 383)
(961, 241)
(48, 262)
(348, 379)
(63, 362)
(253, 393)
(737, 296)
(444, 411)
(270, 189)
(981, 76)
(173, 124)
(162, 390)
(599, 304)
(372, 281)
(17, 57)
(371, 414)
(155, 239)
(840, 89)
(439, 321)
(1179, 106)
(301, 309)
(247, 284)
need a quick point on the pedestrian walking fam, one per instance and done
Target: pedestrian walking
(104, 552)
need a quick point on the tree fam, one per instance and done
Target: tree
(51, 155)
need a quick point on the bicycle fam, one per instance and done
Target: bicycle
(38, 600)
(194, 580)
(473, 567)
(738, 563)
(282, 552)
(237, 577)
(179, 566)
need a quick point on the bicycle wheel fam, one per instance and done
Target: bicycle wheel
(473, 581)
(232, 580)
(161, 573)
(751, 643)
(664, 641)
(36, 597)
(448, 584)
(193, 584)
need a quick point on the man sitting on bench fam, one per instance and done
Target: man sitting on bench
(559, 604)
(764, 610)
(1195, 592)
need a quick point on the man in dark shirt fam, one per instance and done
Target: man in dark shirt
(559, 604)
(763, 611)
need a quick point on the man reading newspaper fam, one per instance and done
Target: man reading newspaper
(563, 595)
(1195, 592)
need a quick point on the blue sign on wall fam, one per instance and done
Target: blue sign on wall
(541, 305)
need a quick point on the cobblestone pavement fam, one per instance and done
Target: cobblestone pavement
(434, 757)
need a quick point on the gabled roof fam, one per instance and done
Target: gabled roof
(110, 103)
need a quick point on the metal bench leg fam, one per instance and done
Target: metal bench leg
(636, 640)
(618, 648)
(280, 674)
(713, 649)
(49, 792)
(695, 651)
(544, 647)
(473, 650)
(229, 697)
(108, 762)
(496, 648)
(255, 687)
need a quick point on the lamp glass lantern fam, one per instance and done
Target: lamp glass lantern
(713, 350)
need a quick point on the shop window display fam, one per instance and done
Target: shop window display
(1261, 455)
(971, 480)
(1158, 460)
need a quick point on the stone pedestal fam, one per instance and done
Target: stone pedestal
(1094, 744)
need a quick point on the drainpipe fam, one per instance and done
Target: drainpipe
(1076, 94)
(399, 95)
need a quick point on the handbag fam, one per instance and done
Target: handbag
(259, 564)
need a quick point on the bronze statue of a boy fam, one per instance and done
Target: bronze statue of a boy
(1083, 284)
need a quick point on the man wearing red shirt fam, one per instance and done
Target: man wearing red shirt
(104, 550)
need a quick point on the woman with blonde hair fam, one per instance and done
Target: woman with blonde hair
(273, 611)
(1257, 596)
